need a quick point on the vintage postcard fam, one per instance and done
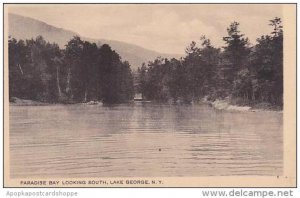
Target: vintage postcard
(149, 95)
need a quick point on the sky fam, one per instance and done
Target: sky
(167, 28)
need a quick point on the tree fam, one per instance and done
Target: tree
(156, 84)
(142, 79)
(235, 53)
(76, 71)
(267, 65)
(116, 77)
(90, 73)
(17, 60)
(125, 78)
(54, 63)
(210, 60)
(201, 67)
(276, 23)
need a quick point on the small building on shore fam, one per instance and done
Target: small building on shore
(138, 97)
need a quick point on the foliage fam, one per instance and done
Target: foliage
(252, 74)
(82, 72)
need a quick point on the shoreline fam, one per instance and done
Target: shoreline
(24, 102)
(227, 106)
(217, 104)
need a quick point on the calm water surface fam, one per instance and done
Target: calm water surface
(143, 140)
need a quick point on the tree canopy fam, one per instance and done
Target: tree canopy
(82, 72)
(251, 74)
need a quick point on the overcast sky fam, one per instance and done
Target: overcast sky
(163, 28)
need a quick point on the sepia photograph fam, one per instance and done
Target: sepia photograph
(149, 95)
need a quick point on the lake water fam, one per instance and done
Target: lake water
(142, 141)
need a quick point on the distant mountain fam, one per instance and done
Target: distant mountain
(21, 27)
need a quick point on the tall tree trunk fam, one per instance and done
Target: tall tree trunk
(58, 84)
(253, 95)
(21, 70)
(68, 87)
(85, 95)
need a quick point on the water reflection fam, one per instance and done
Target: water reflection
(143, 140)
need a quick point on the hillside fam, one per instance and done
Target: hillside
(21, 27)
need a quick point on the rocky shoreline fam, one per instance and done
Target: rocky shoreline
(226, 105)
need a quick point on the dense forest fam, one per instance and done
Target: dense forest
(81, 72)
(245, 74)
